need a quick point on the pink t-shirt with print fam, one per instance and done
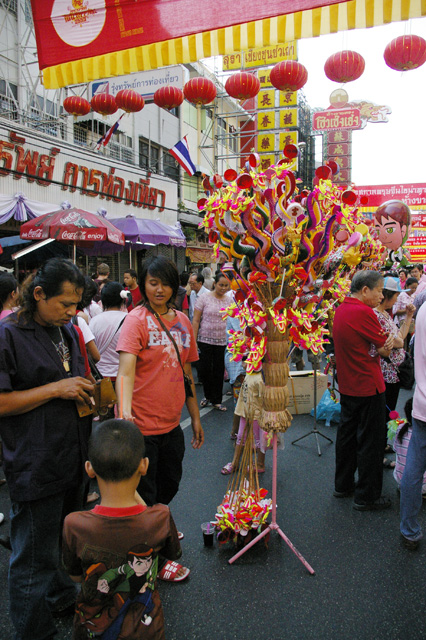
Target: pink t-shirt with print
(212, 325)
(159, 392)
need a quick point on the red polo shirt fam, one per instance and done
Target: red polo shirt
(136, 297)
(355, 329)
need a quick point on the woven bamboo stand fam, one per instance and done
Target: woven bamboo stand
(275, 419)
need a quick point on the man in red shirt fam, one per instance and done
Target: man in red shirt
(130, 279)
(361, 433)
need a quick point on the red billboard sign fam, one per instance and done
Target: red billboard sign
(412, 194)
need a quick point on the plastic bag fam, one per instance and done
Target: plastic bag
(328, 409)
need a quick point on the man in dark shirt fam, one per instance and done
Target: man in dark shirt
(44, 441)
(361, 433)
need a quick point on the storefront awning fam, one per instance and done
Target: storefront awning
(118, 37)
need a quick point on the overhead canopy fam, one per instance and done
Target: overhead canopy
(107, 38)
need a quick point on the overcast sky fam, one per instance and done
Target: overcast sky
(382, 153)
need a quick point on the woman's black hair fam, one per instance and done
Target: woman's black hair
(163, 269)
(219, 275)
(50, 277)
(89, 292)
(408, 409)
(111, 295)
(388, 294)
(8, 284)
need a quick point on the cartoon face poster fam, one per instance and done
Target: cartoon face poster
(392, 221)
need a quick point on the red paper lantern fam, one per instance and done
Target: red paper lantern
(200, 91)
(104, 103)
(288, 75)
(405, 53)
(129, 101)
(344, 66)
(168, 97)
(242, 86)
(76, 106)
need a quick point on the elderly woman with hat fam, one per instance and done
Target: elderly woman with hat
(391, 291)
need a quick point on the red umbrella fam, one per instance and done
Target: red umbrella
(72, 226)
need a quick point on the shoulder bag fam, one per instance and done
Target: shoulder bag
(186, 378)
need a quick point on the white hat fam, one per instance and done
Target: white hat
(392, 284)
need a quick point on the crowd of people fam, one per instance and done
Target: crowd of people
(60, 330)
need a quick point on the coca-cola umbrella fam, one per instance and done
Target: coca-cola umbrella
(72, 226)
(140, 233)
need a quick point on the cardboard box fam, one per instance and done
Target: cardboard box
(301, 390)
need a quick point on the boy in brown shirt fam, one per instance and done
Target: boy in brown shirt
(113, 549)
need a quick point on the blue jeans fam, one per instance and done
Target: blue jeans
(411, 483)
(37, 584)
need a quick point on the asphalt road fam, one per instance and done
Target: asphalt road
(365, 587)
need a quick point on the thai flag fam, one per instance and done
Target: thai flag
(111, 131)
(108, 135)
(180, 152)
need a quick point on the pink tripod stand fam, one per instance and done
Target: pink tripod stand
(274, 525)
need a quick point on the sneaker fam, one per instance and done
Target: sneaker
(343, 494)
(1, 517)
(378, 505)
(411, 545)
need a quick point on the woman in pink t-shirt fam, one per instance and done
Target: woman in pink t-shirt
(8, 294)
(210, 333)
(150, 384)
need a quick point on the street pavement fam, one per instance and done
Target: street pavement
(366, 585)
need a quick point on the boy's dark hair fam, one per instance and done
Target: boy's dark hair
(111, 295)
(183, 278)
(116, 448)
(163, 269)
(132, 272)
(410, 281)
(50, 277)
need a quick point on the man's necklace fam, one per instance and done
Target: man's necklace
(63, 351)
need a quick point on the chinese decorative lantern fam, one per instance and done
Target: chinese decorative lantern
(200, 91)
(242, 86)
(344, 66)
(288, 75)
(129, 101)
(104, 103)
(168, 97)
(405, 53)
(76, 106)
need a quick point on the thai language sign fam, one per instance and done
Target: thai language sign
(336, 119)
(145, 83)
(64, 170)
(416, 243)
(261, 57)
(412, 194)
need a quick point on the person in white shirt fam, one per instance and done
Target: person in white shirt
(106, 327)
(415, 466)
(196, 282)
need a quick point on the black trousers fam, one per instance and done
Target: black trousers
(359, 445)
(212, 369)
(165, 453)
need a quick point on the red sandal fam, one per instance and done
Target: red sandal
(170, 570)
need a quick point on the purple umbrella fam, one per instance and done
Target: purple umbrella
(140, 233)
